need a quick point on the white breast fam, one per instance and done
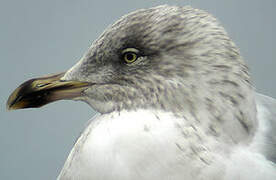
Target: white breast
(144, 145)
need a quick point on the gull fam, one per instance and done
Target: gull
(174, 99)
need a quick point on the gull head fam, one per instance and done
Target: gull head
(175, 59)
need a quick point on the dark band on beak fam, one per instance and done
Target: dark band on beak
(40, 91)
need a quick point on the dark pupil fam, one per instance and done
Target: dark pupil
(129, 56)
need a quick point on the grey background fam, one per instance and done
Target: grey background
(42, 37)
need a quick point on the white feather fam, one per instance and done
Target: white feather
(148, 145)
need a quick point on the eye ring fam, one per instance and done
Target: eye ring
(130, 57)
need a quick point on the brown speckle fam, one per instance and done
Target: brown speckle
(146, 128)
(179, 147)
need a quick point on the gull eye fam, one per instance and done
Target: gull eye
(130, 57)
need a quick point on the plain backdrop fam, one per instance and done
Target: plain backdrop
(44, 37)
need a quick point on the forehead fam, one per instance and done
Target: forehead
(147, 27)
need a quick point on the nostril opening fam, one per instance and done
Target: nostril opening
(42, 85)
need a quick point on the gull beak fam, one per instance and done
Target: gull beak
(37, 92)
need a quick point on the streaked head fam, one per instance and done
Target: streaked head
(176, 59)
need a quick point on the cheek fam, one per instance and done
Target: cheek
(104, 92)
(100, 75)
(113, 93)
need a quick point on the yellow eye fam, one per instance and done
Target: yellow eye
(130, 57)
